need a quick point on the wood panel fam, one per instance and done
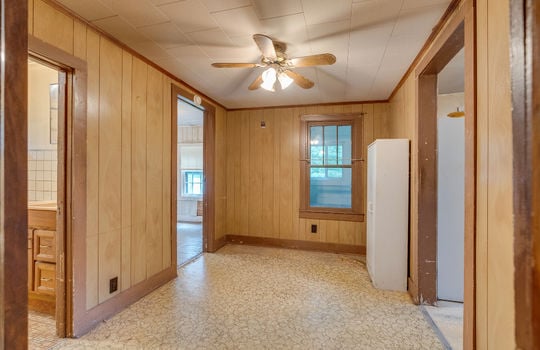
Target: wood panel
(79, 40)
(220, 173)
(138, 170)
(499, 210)
(483, 176)
(263, 174)
(166, 181)
(110, 166)
(127, 62)
(92, 169)
(110, 145)
(30, 16)
(154, 170)
(52, 26)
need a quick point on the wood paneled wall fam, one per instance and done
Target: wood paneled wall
(494, 236)
(128, 232)
(263, 173)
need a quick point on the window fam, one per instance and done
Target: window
(192, 183)
(331, 167)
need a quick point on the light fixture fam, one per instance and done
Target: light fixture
(457, 114)
(284, 80)
(269, 79)
(270, 76)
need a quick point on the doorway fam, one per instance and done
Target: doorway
(47, 103)
(186, 111)
(447, 315)
(458, 34)
(190, 181)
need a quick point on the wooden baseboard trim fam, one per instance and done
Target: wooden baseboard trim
(41, 303)
(295, 244)
(219, 243)
(413, 290)
(118, 303)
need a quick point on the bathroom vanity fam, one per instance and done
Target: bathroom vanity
(42, 256)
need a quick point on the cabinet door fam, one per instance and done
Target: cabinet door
(45, 245)
(44, 279)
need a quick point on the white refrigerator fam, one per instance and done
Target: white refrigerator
(388, 213)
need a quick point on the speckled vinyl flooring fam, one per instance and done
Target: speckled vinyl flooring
(41, 331)
(246, 297)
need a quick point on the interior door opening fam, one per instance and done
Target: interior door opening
(190, 181)
(451, 114)
(47, 105)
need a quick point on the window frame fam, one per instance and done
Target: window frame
(357, 164)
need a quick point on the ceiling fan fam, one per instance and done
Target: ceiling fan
(279, 65)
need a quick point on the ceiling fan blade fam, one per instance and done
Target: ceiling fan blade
(235, 65)
(313, 60)
(256, 83)
(299, 79)
(266, 45)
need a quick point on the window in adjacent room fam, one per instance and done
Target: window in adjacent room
(331, 167)
(192, 183)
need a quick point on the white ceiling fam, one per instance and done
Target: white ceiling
(374, 42)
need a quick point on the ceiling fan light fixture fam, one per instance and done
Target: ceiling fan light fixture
(284, 80)
(269, 79)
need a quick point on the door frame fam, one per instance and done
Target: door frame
(525, 70)
(65, 78)
(71, 248)
(209, 121)
(459, 32)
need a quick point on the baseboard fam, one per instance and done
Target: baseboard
(219, 243)
(296, 244)
(413, 290)
(41, 303)
(121, 301)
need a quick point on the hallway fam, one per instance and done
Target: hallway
(245, 297)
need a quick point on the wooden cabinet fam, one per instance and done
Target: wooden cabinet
(45, 278)
(45, 246)
(42, 259)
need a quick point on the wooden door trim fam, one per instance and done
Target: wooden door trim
(525, 70)
(71, 248)
(13, 177)
(209, 241)
(458, 32)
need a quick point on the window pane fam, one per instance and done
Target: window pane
(330, 143)
(345, 145)
(317, 172)
(316, 145)
(332, 191)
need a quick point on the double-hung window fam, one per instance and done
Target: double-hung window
(331, 167)
(192, 183)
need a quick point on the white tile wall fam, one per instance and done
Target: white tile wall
(42, 175)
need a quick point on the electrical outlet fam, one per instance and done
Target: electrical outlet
(313, 228)
(113, 285)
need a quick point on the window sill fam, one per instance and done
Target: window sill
(327, 215)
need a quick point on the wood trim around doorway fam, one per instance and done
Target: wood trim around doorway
(458, 33)
(209, 241)
(525, 70)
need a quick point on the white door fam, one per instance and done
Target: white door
(450, 208)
